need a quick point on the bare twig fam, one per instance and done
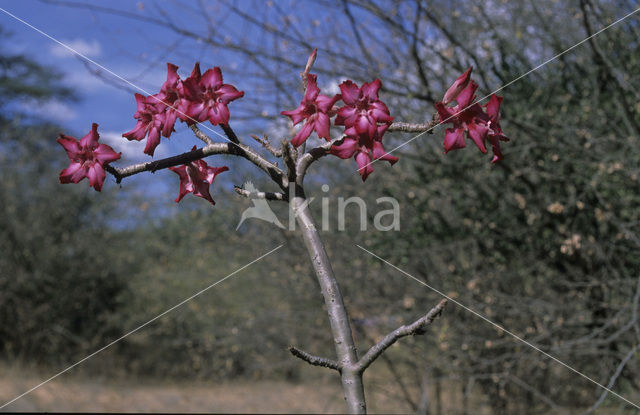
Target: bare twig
(613, 379)
(202, 136)
(265, 143)
(534, 391)
(414, 128)
(415, 328)
(260, 195)
(231, 135)
(314, 360)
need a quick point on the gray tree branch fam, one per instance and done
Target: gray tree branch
(314, 360)
(415, 328)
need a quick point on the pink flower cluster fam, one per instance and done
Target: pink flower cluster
(204, 97)
(469, 117)
(198, 98)
(364, 117)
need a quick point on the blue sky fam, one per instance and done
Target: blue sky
(136, 51)
(126, 47)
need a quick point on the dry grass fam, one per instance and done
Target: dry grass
(79, 393)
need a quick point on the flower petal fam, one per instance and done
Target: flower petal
(90, 140)
(138, 133)
(105, 154)
(312, 91)
(379, 153)
(219, 114)
(322, 126)
(70, 145)
(478, 134)
(350, 92)
(364, 165)
(296, 115)
(73, 174)
(453, 139)
(345, 150)
(212, 78)
(228, 93)
(152, 141)
(370, 89)
(458, 85)
(466, 96)
(96, 176)
(302, 134)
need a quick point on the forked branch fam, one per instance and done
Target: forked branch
(415, 328)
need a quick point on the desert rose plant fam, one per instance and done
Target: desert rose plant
(363, 119)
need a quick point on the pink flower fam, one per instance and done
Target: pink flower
(465, 117)
(151, 118)
(172, 94)
(495, 134)
(363, 110)
(196, 177)
(315, 108)
(365, 149)
(88, 158)
(209, 96)
(469, 117)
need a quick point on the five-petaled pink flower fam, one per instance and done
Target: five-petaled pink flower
(316, 109)
(209, 96)
(365, 148)
(366, 119)
(88, 158)
(196, 177)
(363, 110)
(469, 117)
(151, 117)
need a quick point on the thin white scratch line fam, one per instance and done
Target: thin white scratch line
(500, 327)
(141, 326)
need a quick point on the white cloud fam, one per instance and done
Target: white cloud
(89, 49)
(51, 110)
(131, 150)
(332, 86)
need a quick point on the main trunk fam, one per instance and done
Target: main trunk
(340, 326)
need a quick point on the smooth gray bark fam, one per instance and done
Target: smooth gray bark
(340, 327)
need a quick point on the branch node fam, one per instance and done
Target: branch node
(260, 195)
(287, 156)
(198, 133)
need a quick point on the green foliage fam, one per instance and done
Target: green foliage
(24, 80)
(59, 281)
(544, 243)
